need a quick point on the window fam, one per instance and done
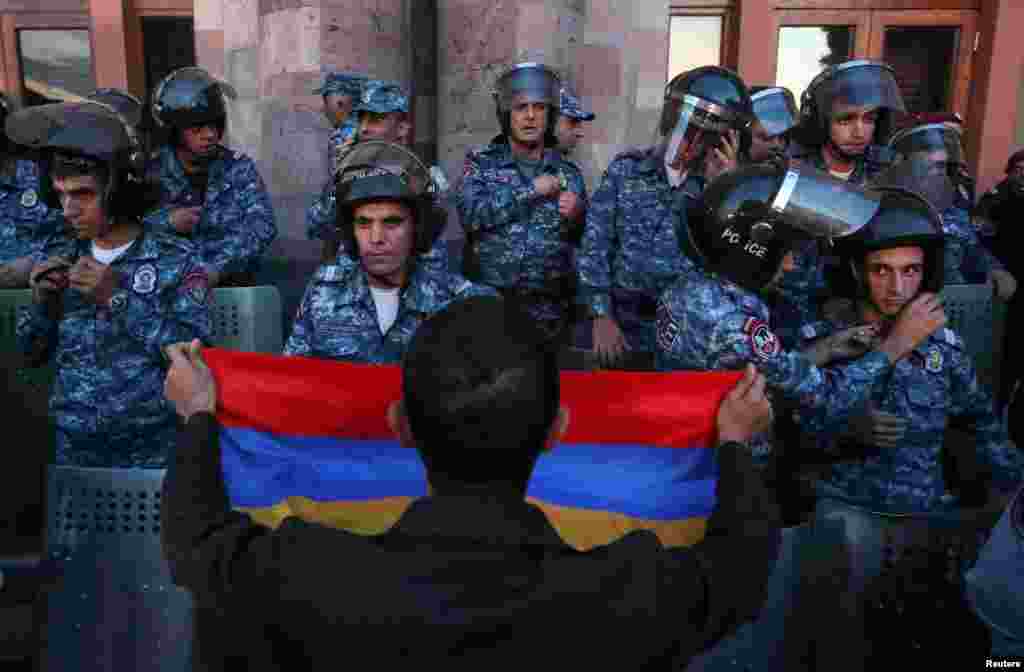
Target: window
(804, 51)
(56, 65)
(694, 41)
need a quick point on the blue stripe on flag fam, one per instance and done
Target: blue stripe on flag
(655, 483)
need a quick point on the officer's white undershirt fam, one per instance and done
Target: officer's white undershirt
(386, 301)
(107, 256)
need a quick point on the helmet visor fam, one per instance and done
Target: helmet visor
(775, 110)
(925, 174)
(940, 142)
(858, 84)
(191, 93)
(381, 170)
(699, 128)
(528, 83)
(822, 206)
(87, 128)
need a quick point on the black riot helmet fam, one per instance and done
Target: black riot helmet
(90, 135)
(384, 171)
(528, 82)
(754, 215)
(130, 109)
(914, 191)
(700, 106)
(905, 219)
(861, 83)
(191, 97)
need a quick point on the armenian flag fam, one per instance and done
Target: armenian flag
(308, 437)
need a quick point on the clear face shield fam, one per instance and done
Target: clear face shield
(858, 85)
(755, 215)
(189, 90)
(775, 109)
(926, 174)
(699, 128)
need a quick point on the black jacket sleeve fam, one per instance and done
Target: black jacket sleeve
(737, 555)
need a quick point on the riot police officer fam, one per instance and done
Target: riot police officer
(714, 317)
(522, 204)
(108, 298)
(775, 114)
(25, 220)
(846, 116)
(367, 305)
(571, 117)
(937, 139)
(632, 247)
(210, 194)
(130, 108)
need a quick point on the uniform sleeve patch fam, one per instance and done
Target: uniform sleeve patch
(667, 328)
(144, 279)
(197, 286)
(763, 342)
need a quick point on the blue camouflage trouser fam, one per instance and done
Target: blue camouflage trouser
(149, 448)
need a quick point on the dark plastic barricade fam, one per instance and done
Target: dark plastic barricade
(247, 318)
(113, 607)
(978, 317)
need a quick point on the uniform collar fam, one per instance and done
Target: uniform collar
(414, 297)
(143, 248)
(503, 154)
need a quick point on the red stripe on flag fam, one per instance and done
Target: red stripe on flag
(304, 396)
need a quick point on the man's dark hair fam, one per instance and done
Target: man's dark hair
(1014, 159)
(481, 392)
(127, 198)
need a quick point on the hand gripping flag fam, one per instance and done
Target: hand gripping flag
(309, 438)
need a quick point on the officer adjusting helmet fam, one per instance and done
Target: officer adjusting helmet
(774, 108)
(191, 97)
(383, 171)
(528, 83)
(860, 83)
(754, 215)
(701, 106)
(936, 138)
(88, 135)
(913, 193)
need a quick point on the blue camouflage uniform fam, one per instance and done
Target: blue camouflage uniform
(25, 221)
(516, 240)
(631, 248)
(799, 293)
(964, 252)
(934, 386)
(706, 323)
(236, 225)
(337, 318)
(320, 216)
(107, 400)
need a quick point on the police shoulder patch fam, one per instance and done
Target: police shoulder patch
(144, 280)
(196, 285)
(29, 198)
(763, 341)
(667, 328)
